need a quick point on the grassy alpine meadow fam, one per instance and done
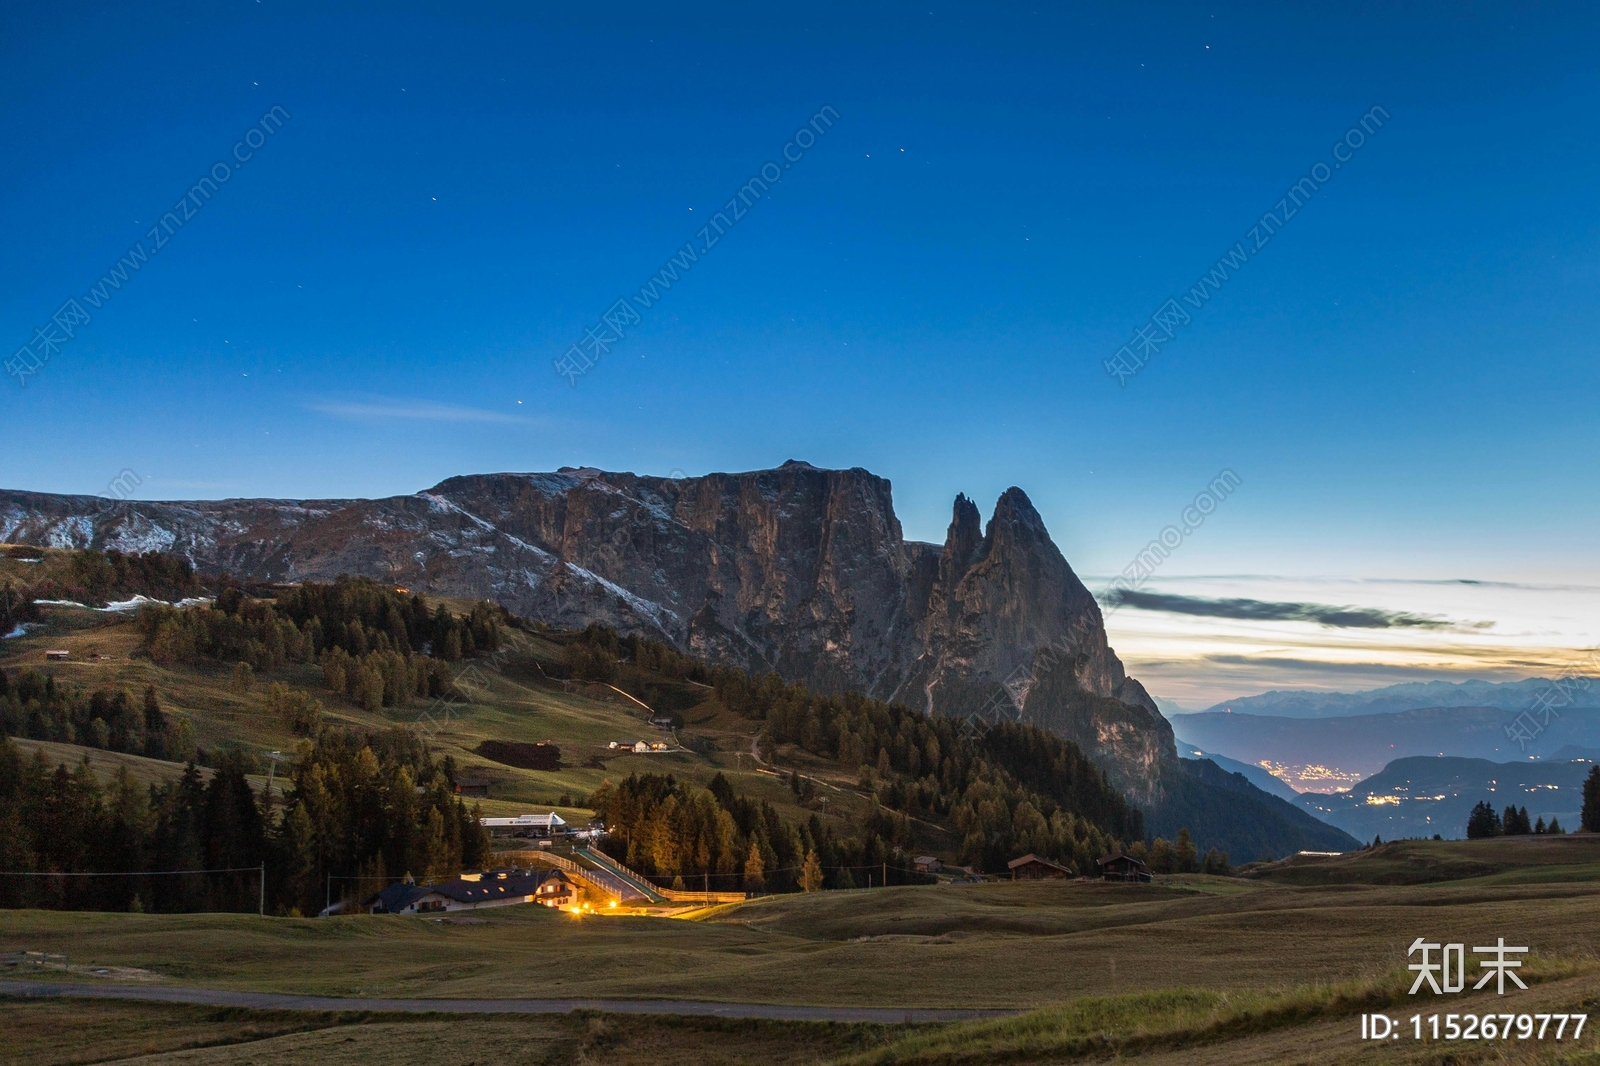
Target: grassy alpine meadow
(1316, 1023)
(1190, 969)
(150, 1034)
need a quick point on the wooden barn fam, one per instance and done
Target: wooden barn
(1032, 868)
(1123, 867)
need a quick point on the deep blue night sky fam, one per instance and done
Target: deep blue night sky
(1403, 378)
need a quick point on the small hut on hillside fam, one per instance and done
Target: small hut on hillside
(1123, 867)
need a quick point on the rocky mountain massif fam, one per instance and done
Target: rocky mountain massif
(797, 570)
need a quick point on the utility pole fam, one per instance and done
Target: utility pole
(261, 903)
(885, 875)
(273, 759)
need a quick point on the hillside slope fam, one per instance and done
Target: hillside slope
(541, 718)
(1226, 811)
(568, 677)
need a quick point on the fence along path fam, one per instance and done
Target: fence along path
(611, 866)
(666, 895)
(602, 880)
(611, 878)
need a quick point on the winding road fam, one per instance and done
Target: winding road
(213, 997)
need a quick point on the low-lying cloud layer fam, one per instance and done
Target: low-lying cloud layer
(1267, 611)
(1201, 639)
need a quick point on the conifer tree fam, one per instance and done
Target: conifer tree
(1483, 823)
(754, 869)
(1591, 801)
(1161, 859)
(1183, 853)
(155, 725)
(811, 873)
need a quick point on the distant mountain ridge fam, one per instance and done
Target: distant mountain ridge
(1344, 750)
(1413, 695)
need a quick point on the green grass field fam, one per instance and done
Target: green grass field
(1191, 969)
(1415, 862)
(67, 1033)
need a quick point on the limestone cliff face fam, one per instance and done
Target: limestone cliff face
(1006, 610)
(797, 570)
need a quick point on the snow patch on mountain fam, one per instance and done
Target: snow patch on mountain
(132, 539)
(551, 485)
(75, 532)
(647, 608)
